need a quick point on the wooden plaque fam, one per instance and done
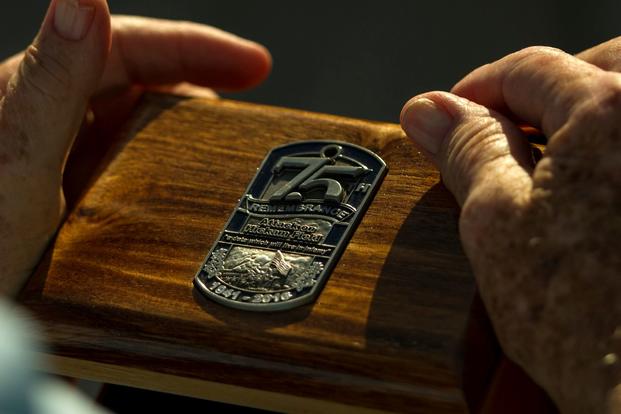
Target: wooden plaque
(115, 292)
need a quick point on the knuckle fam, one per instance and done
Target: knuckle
(533, 57)
(479, 153)
(541, 54)
(601, 107)
(474, 142)
(46, 72)
(606, 95)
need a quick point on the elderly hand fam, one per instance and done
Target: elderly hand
(79, 55)
(544, 240)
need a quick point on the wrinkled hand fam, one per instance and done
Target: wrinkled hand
(544, 240)
(81, 55)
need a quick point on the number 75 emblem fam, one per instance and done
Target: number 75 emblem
(289, 229)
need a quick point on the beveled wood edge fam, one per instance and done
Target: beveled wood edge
(190, 387)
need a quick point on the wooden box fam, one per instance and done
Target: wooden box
(115, 292)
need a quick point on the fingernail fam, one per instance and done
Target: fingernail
(427, 123)
(71, 20)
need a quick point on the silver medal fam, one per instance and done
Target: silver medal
(291, 226)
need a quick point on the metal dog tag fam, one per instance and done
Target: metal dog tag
(289, 230)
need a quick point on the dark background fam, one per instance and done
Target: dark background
(360, 58)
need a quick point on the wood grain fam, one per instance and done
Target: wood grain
(115, 289)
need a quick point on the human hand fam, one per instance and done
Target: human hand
(543, 239)
(81, 56)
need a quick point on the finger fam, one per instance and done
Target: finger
(606, 55)
(186, 89)
(152, 52)
(47, 97)
(474, 148)
(541, 86)
(40, 115)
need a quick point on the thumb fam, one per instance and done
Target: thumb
(47, 97)
(485, 161)
(476, 149)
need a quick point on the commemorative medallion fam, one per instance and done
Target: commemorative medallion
(291, 226)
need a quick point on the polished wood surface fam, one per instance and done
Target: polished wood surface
(115, 290)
